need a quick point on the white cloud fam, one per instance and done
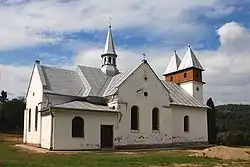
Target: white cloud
(22, 24)
(14, 79)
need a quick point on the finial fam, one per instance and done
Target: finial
(144, 56)
(110, 19)
(175, 51)
(189, 45)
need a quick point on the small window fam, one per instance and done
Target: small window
(155, 119)
(114, 61)
(36, 118)
(134, 118)
(186, 124)
(171, 78)
(105, 59)
(145, 94)
(109, 60)
(197, 88)
(77, 127)
(29, 123)
(185, 75)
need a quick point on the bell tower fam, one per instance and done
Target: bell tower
(188, 74)
(109, 56)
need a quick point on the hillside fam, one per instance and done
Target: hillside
(233, 124)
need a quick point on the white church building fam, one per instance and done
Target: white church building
(97, 108)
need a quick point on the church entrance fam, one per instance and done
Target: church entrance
(106, 136)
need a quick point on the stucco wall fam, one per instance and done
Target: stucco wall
(34, 96)
(197, 124)
(191, 88)
(46, 131)
(157, 97)
(92, 121)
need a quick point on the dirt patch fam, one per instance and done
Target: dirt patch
(11, 137)
(223, 152)
(129, 153)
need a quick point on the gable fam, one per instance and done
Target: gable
(143, 84)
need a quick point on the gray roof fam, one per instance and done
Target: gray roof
(61, 81)
(180, 96)
(96, 79)
(82, 105)
(173, 64)
(90, 81)
(190, 60)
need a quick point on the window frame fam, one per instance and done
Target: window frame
(77, 133)
(135, 127)
(186, 123)
(155, 121)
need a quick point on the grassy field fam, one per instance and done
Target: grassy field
(13, 156)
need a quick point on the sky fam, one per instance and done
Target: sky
(67, 33)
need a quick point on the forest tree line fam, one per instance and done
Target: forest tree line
(227, 124)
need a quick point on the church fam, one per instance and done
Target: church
(102, 108)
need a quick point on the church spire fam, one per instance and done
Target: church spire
(109, 46)
(173, 64)
(190, 61)
(109, 55)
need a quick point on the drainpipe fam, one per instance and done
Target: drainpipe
(52, 129)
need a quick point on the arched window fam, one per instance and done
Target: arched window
(171, 78)
(105, 60)
(109, 60)
(185, 75)
(36, 118)
(155, 119)
(29, 123)
(77, 127)
(114, 61)
(186, 124)
(134, 118)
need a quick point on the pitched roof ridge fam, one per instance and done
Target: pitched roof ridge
(58, 68)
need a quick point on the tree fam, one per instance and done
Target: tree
(3, 96)
(13, 114)
(211, 121)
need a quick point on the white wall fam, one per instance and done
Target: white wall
(157, 97)
(46, 131)
(34, 96)
(197, 124)
(92, 121)
(191, 88)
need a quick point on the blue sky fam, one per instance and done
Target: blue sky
(67, 33)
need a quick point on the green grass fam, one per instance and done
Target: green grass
(11, 156)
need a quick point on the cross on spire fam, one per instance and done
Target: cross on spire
(144, 56)
(110, 19)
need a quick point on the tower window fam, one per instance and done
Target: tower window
(134, 118)
(105, 60)
(171, 78)
(185, 75)
(155, 119)
(186, 124)
(197, 88)
(145, 94)
(109, 60)
(114, 61)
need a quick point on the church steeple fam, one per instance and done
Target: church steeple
(173, 64)
(109, 56)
